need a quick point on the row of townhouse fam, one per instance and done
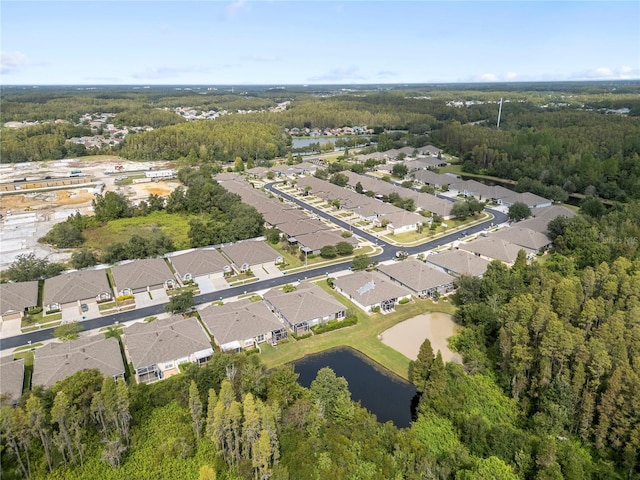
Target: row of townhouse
(156, 349)
(296, 226)
(373, 208)
(90, 287)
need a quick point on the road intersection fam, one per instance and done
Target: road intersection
(388, 252)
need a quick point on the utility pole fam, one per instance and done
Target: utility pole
(499, 113)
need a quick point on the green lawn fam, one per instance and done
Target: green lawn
(362, 337)
(410, 238)
(174, 225)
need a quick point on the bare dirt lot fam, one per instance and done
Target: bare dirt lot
(77, 197)
(30, 214)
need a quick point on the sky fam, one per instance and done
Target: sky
(156, 42)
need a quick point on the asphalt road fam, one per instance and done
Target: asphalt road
(388, 253)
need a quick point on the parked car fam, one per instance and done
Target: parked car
(84, 307)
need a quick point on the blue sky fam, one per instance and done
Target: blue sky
(306, 42)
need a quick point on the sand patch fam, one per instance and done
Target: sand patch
(78, 197)
(160, 188)
(406, 337)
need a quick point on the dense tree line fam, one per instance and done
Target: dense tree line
(210, 140)
(578, 151)
(563, 341)
(47, 141)
(68, 104)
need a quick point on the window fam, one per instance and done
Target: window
(260, 338)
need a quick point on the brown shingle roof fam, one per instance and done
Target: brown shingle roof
(238, 321)
(199, 262)
(11, 378)
(141, 273)
(416, 275)
(369, 288)
(307, 303)
(497, 248)
(460, 262)
(523, 237)
(164, 340)
(56, 361)
(250, 253)
(74, 286)
(15, 297)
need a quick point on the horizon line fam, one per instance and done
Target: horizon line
(282, 85)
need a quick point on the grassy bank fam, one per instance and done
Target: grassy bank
(362, 337)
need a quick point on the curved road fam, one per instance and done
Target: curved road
(388, 253)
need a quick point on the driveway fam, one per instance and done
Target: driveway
(158, 296)
(71, 314)
(266, 270)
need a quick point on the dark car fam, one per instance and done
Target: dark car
(84, 307)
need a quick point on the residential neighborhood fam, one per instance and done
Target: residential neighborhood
(158, 347)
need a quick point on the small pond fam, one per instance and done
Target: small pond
(383, 393)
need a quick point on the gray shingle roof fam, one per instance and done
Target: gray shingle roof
(11, 378)
(238, 321)
(301, 227)
(523, 237)
(416, 275)
(199, 262)
(251, 253)
(528, 198)
(317, 240)
(15, 297)
(141, 273)
(56, 361)
(383, 289)
(460, 262)
(497, 248)
(542, 216)
(74, 286)
(308, 302)
(432, 178)
(164, 340)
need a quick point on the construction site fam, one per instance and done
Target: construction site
(36, 196)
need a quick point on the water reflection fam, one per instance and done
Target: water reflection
(381, 392)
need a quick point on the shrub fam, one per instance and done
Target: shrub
(300, 337)
(403, 301)
(334, 325)
(288, 288)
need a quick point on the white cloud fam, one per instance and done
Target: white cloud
(11, 62)
(488, 77)
(511, 76)
(607, 73)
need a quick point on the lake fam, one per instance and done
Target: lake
(380, 391)
(301, 142)
(297, 142)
